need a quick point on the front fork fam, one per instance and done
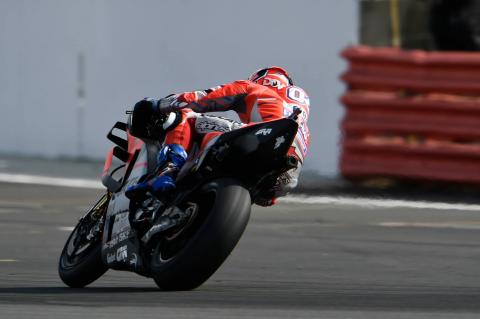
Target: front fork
(97, 214)
(99, 208)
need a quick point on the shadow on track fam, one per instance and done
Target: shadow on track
(255, 296)
(67, 290)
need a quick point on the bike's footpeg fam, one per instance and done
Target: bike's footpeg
(172, 217)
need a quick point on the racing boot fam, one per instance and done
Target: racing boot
(170, 159)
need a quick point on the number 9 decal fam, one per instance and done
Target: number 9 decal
(298, 95)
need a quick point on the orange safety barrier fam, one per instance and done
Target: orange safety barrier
(411, 115)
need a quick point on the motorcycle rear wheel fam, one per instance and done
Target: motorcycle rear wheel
(187, 261)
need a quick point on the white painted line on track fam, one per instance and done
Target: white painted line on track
(65, 228)
(8, 260)
(377, 203)
(450, 225)
(293, 199)
(50, 181)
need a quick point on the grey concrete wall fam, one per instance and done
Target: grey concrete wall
(132, 49)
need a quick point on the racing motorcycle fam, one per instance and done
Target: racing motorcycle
(179, 240)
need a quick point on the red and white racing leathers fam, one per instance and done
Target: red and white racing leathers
(253, 103)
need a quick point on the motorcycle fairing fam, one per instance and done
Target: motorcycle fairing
(120, 241)
(245, 152)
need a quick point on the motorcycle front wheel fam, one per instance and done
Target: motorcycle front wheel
(81, 260)
(187, 261)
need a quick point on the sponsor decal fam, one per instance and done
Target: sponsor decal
(279, 141)
(297, 94)
(264, 131)
(208, 123)
(122, 253)
(111, 258)
(123, 235)
(118, 239)
(133, 261)
(206, 127)
(274, 83)
(113, 242)
(120, 223)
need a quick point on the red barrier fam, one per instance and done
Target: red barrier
(414, 71)
(386, 113)
(412, 115)
(363, 165)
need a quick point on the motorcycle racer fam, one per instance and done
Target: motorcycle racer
(268, 94)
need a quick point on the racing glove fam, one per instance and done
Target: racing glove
(170, 103)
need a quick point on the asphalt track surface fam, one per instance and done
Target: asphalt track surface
(294, 261)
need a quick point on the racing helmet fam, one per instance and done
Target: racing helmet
(272, 76)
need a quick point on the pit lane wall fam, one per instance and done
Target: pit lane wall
(70, 68)
(411, 115)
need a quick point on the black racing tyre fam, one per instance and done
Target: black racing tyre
(81, 263)
(224, 211)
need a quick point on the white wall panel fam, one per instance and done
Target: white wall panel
(143, 48)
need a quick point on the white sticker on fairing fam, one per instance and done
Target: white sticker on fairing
(279, 141)
(264, 131)
(122, 253)
(120, 223)
(133, 261)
